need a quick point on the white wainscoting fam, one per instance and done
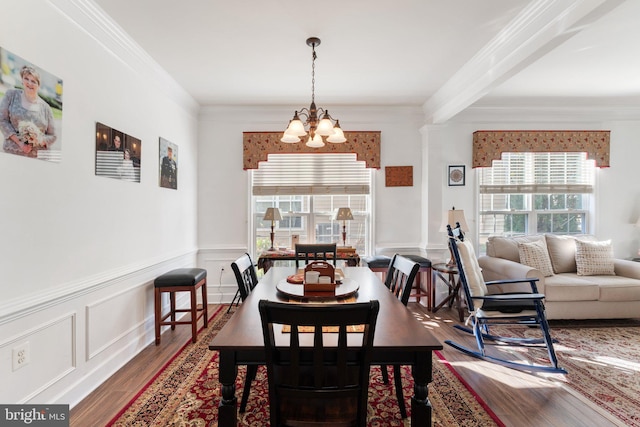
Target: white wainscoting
(221, 282)
(81, 335)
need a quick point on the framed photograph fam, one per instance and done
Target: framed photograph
(117, 154)
(168, 164)
(456, 175)
(30, 109)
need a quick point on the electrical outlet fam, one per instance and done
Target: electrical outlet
(21, 356)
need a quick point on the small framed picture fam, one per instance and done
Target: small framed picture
(456, 175)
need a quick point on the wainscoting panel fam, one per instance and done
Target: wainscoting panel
(50, 351)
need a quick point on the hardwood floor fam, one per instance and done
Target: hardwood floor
(518, 399)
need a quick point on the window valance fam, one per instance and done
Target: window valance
(256, 147)
(489, 145)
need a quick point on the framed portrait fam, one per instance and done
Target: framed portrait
(456, 175)
(117, 154)
(168, 164)
(30, 109)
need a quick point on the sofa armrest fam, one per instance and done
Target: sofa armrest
(494, 268)
(627, 268)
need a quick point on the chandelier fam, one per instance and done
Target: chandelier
(317, 128)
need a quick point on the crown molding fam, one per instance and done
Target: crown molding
(577, 110)
(90, 18)
(540, 27)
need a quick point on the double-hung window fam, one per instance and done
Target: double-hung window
(531, 193)
(308, 188)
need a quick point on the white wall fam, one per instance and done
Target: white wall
(79, 252)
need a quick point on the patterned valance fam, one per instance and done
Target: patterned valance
(258, 145)
(489, 145)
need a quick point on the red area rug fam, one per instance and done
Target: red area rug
(186, 392)
(603, 364)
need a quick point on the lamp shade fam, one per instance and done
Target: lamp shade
(457, 215)
(338, 135)
(344, 214)
(315, 142)
(272, 214)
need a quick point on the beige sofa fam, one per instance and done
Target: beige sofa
(578, 275)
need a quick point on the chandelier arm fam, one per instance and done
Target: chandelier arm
(304, 112)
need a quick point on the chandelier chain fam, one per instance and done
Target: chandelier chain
(313, 73)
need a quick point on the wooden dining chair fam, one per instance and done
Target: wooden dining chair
(247, 279)
(400, 276)
(308, 252)
(315, 379)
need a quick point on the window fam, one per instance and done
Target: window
(308, 189)
(531, 193)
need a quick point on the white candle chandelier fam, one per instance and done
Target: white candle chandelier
(317, 128)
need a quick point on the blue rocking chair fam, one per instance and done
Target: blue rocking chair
(487, 309)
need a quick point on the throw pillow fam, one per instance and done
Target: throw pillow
(594, 258)
(535, 254)
(562, 251)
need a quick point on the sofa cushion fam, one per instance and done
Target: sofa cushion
(616, 288)
(594, 258)
(562, 251)
(507, 247)
(534, 254)
(570, 287)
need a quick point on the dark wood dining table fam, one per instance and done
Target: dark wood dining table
(399, 339)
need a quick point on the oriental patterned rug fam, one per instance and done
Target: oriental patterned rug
(186, 392)
(603, 364)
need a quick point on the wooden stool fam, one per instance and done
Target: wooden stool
(181, 280)
(425, 269)
(380, 264)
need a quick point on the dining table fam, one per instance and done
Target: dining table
(399, 338)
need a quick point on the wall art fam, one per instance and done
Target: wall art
(398, 176)
(168, 164)
(30, 109)
(117, 154)
(456, 175)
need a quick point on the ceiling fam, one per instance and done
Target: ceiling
(442, 55)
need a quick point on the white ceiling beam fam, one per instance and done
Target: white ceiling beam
(539, 28)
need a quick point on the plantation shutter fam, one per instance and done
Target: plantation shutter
(311, 173)
(538, 173)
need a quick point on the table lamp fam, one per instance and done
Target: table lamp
(455, 216)
(345, 215)
(273, 215)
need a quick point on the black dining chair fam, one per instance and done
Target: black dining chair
(325, 383)
(247, 279)
(308, 252)
(400, 276)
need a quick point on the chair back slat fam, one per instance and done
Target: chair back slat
(400, 277)
(315, 251)
(246, 276)
(321, 379)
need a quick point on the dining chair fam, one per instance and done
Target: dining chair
(315, 251)
(399, 280)
(247, 279)
(486, 309)
(325, 383)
